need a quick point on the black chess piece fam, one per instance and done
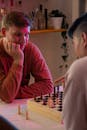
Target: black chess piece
(45, 98)
(60, 97)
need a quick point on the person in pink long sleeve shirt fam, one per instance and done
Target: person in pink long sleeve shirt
(19, 59)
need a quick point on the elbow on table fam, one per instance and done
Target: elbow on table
(50, 87)
(6, 95)
(7, 99)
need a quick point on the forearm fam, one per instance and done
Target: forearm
(10, 84)
(36, 89)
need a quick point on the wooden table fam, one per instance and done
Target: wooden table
(35, 121)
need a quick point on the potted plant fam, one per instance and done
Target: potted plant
(56, 14)
(56, 18)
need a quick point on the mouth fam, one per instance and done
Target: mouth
(22, 46)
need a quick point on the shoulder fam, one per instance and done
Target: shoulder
(78, 67)
(79, 64)
(31, 46)
(33, 49)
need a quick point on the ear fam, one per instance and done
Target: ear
(3, 31)
(84, 37)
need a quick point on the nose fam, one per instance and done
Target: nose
(24, 39)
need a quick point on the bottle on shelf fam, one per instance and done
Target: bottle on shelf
(41, 18)
(35, 20)
(46, 18)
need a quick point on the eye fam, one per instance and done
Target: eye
(18, 34)
(26, 35)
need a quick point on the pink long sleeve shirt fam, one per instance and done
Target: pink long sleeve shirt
(14, 79)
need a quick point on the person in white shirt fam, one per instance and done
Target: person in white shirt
(75, 91)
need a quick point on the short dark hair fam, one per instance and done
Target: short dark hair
(16, 18)
(82, 20)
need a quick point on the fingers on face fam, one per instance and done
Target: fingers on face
(15, 47)
(9, 46)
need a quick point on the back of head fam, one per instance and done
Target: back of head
(78, 26)
(16, 18)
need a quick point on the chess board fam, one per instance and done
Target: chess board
(49, 106)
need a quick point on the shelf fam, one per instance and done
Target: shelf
(47, 30)
(43, 31)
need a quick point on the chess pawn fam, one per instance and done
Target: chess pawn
(60, 106)
(19, 109)
(44, 101)
(27, 115)
(50, 103)
(56, 101)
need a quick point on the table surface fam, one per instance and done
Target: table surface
(35, 121)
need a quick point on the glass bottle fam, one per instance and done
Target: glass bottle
(41, 18)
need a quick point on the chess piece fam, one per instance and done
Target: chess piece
(50, 102)
(19, 109)
(27, 115)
